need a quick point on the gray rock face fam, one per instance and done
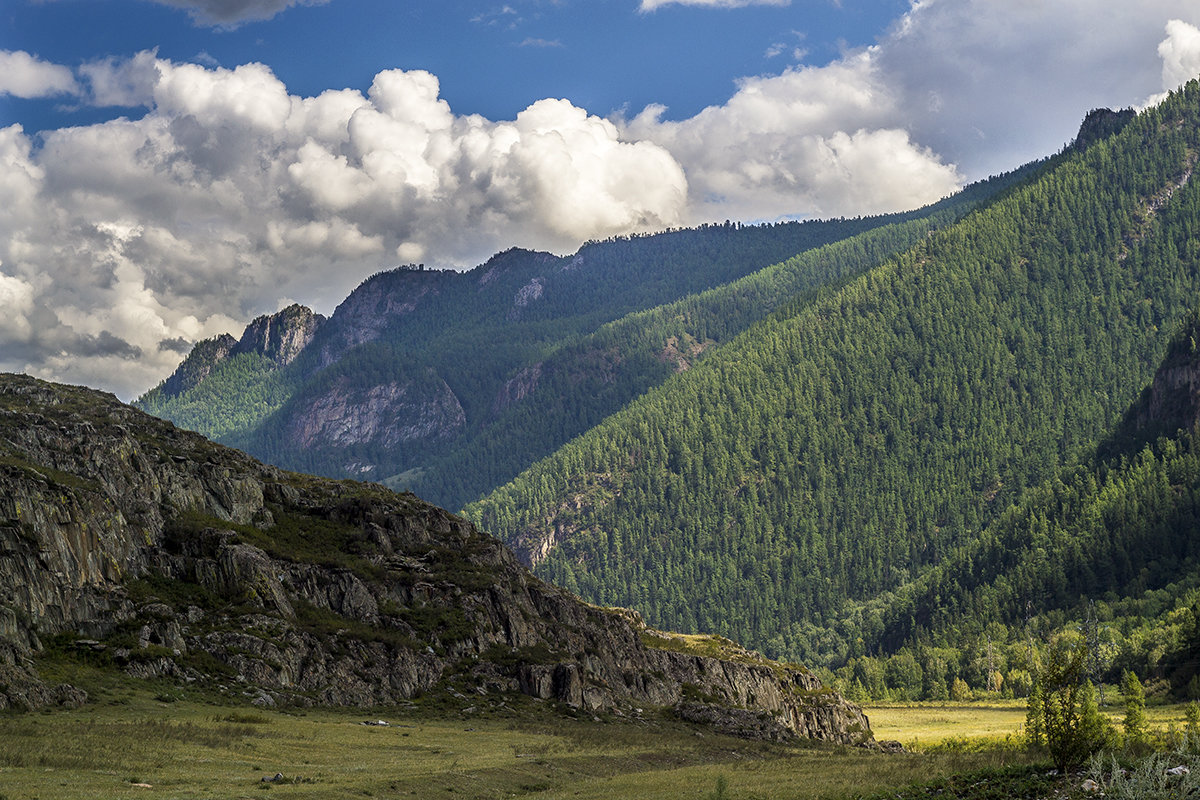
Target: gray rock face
(387, 414)
(279, 337)
(188, 561)
(379, 303)
(282, 335)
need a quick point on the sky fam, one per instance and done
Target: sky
(173, 168)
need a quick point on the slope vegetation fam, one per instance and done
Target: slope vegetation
(450, 384)
(840, 448)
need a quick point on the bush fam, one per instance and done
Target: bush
(1147, 779)
(1072, 724)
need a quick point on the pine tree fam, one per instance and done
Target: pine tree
(1137, 734)
(1074, 727)
(1035, 716)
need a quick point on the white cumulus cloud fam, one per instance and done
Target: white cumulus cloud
(1180, 53)
(817, 140)
(25, 75)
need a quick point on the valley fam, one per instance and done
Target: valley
(689, 399)
(189, 748)
(878, 456)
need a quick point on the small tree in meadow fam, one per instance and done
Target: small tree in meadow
(1035, 716)
(1137, 731)
(1071, 719)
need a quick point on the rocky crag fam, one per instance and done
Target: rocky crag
(168, 556)
(278, 337)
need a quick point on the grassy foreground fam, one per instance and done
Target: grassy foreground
(194, 749)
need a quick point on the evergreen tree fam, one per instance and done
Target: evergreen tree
(1035, 716)
(1073, 726)
(1137, 732)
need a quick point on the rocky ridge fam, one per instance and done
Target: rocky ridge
(171, 557)
(281, 336)
(278, 337)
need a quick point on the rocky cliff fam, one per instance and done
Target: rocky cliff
(279, 337)
(417, 408)
(1171, 402)
(176, 558)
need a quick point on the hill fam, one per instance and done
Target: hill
(842, 447)
(154, 551)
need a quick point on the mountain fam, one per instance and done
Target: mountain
(430, 379)
(842, 447)
(131, 544)
(1107, 544)
(224, 382)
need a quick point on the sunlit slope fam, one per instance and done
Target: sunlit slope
(835, 452)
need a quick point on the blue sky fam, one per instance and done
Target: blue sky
(493, 58)
(173, 168)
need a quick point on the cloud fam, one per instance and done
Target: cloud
(232, 13)
(815, 140)
(953, 91)
(27, 76)
(651, 5)
(126, 82)
(494, 16)
(989, 85)
(532, 42)
(120, 240)
(1180, 53)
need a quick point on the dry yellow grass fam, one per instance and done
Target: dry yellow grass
(926, 724)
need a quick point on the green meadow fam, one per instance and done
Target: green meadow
(133, 745)
(139, 740)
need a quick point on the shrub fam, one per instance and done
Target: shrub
(1073, 726)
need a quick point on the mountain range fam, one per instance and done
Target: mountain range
(844, 442)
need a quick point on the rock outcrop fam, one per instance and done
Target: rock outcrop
(279, 337)
(198, 365)
(184, 560)
(419, 408)
(1172, 400)
(380, 303)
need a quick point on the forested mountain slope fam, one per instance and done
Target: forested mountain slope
(1108, 546)
(580, 382)
(839, 449)
(429, 379)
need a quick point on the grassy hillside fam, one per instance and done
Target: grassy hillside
(840, 448)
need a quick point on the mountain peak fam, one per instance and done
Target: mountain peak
(282, 335)
(279, 337)
(199, 364)
(1100, 123)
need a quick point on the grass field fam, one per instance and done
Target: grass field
(190, 749)
(182, 744)
(1000, 722)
